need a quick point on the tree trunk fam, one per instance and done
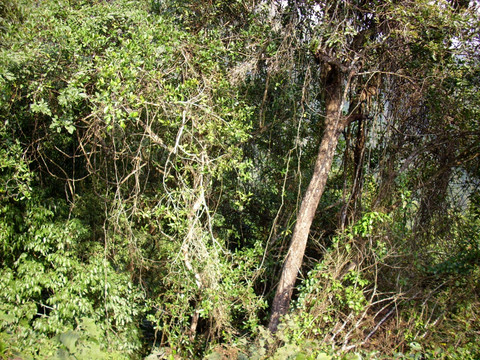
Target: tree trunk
(352, 206)
(334, 125)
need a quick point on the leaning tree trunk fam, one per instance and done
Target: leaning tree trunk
(334, 125)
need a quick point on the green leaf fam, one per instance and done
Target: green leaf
(6, 318)
(41, 107)
(90, 328)
(62, 354)
(323, 356)
(415, 346)
(352, 357)
(69, 339)
(9, 76)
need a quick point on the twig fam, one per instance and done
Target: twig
(375, 329)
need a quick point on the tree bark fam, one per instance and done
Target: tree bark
(334, 125)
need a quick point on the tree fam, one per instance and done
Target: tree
(355, 42)
(131, 121)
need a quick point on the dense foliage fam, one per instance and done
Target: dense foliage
(154, 156)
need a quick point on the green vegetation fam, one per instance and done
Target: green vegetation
(163, 179)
